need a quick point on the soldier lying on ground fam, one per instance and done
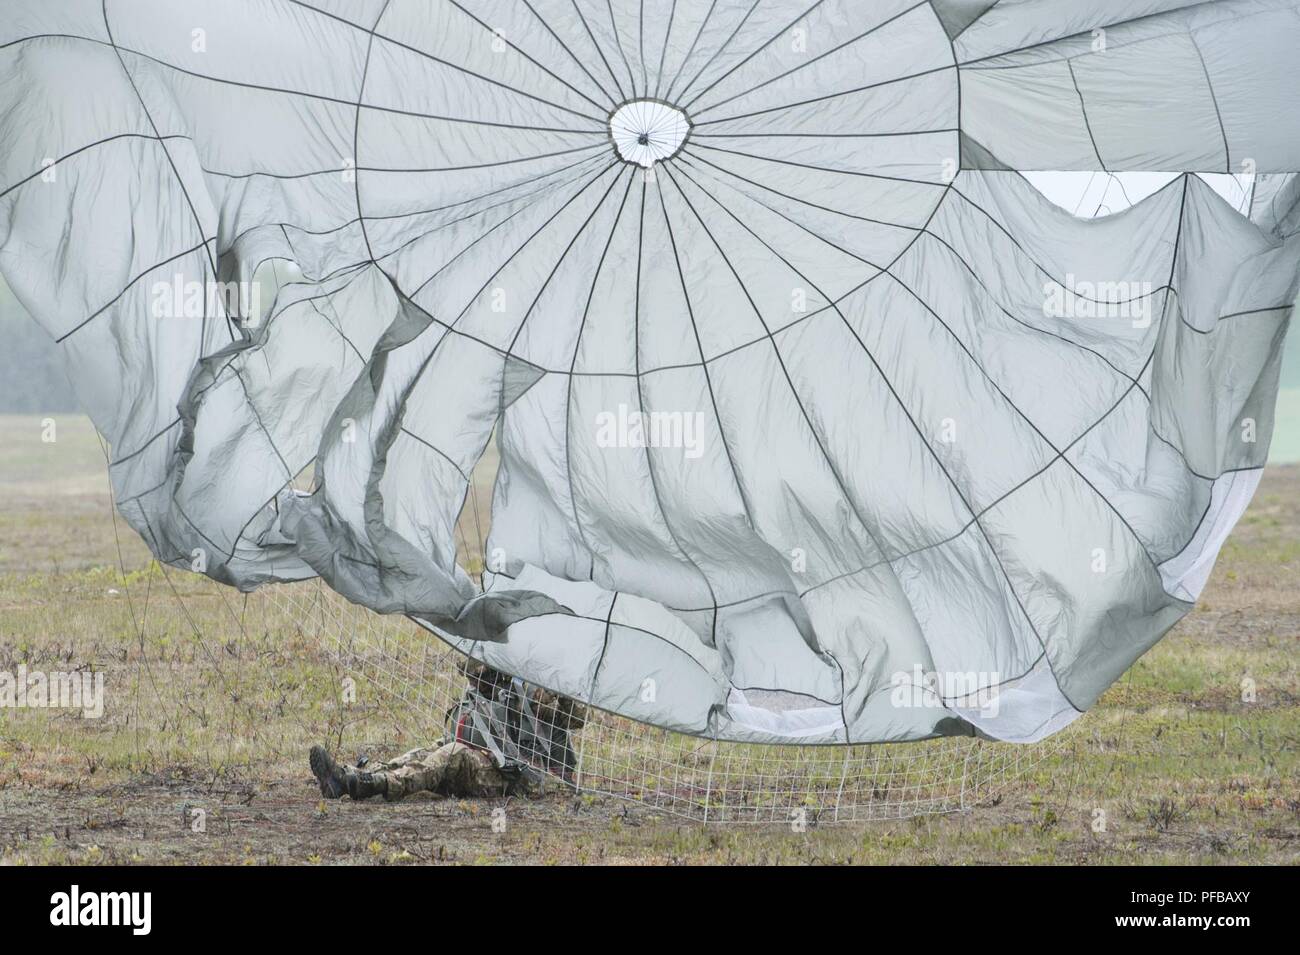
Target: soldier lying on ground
(505, 733)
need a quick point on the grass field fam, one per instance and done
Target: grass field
(1286, 429)
(211, 702)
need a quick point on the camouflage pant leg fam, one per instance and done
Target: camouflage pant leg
(411, 772)
(470, 772)
(452, 769)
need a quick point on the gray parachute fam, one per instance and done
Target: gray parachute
(817, 422)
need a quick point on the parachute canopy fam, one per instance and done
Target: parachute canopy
(816, 421)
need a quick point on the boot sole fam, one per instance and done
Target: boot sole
(322, 767)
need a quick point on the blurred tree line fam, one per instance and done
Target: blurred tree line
(32, 377)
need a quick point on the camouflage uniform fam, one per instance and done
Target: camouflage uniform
(526, 729)
(453, 769)
(555, 720)
(506, 735)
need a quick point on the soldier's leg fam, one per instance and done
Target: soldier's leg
(409, 758)
(470, 773)
(452, 769)
(338, 780)
(420, 770)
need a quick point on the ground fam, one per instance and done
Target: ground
(200, 756)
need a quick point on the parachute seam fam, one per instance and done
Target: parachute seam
(987, 10)
(618, 44)
(1142, 545)
(356, 130)
(257, 417)
(442, 268)
(518, 49)
(1204, 514)
(81, 149)
(645, 78)
(375, 35)
(753, 53)
(708, 379)
(1083, 108)
(180, 181)
(894, 135)
(1128, 21)
(718, 52)
(848, 215)
(372, 484)
(1032, 261)
(413, 213)
(1244, 314)
(1214, 98)
(838, 172)
(691, 52)
(144, 447)
(650, 468)
(146, 492)
(780, 76)
(403, 430)
(568, 396)
(1187, 465)
(305, 94)
(663, 53)
(531, 199)
(1043, 331)
(830, 463)
(394, 169)
(848, 92)
(509, 351)
(600, 51)
(604, 646)
(129, 285)
(907, 413)
(600, 86)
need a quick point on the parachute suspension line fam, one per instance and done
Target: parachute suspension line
(1101, 203)
(478, 529)
(473, 536)
(1247, 192)
(577, 773)
(1084, 194)
(965, 772)
(464, 546)
(140, 625)
(839, 793)
(708, 785)
(202, 625)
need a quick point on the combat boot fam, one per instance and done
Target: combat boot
(336, 780)
(364, 785)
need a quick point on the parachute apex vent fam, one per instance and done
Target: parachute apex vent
(647, 131)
